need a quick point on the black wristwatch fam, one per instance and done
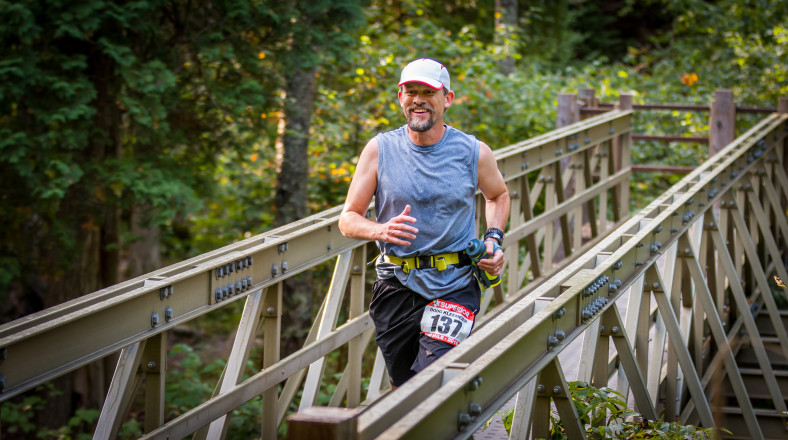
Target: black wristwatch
(494, 233)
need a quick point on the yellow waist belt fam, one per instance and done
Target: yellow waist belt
(439, 261)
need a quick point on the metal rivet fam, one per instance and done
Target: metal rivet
(556, 389)
(151, 364)
(463, 420)
(154, 319)
(168, 313)
(270, 310)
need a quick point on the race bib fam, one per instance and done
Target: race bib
(447, 321)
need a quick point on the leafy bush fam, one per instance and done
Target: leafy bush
(605, 415)
(18, 418)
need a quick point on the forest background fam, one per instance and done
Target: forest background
(136, 134)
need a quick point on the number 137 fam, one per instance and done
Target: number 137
(445, 325)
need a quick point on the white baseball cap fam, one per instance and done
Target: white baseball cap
(428, 72)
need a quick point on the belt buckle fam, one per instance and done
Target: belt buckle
(423, 261)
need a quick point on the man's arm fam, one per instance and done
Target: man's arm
(353, 222)
(496, 197)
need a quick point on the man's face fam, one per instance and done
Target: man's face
(423, 106)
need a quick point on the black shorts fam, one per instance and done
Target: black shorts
(397, 313)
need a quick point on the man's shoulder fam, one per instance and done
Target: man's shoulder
(459, 138)
(390, 136)
(457, 132)
(394, 131)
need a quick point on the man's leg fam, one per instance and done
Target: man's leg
(396, 312)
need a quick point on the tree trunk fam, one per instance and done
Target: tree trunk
(291, 185)
(291, 199)
(144, 253)
(505, 29)
(95, 226)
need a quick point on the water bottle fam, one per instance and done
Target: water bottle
(478, 251)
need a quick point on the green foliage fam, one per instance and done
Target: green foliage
(191, 380)
(108, 105)
(605, 415)
(779, 292)
(18, 418)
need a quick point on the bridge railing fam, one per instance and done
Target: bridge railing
(569, 188)
(684, 278)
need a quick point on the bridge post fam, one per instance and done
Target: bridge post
(722, 121)
(782, 107)
(568, 110)
(323, 423)
(568, 113)
(154, 358)
(587, 99)
(622, 152)
(272, 329)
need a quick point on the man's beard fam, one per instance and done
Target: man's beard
(420, 125)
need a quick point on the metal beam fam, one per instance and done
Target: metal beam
(669, 217)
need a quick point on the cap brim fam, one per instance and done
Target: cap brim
(437, 85)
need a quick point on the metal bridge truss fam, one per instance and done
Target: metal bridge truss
(569, 190)
(681, 290)
(569, 187)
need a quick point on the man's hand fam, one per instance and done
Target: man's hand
(397, 230)
(494, 265)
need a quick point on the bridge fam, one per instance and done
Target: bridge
(673, 306)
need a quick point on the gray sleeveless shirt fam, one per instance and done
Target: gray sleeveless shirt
(438, 182)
